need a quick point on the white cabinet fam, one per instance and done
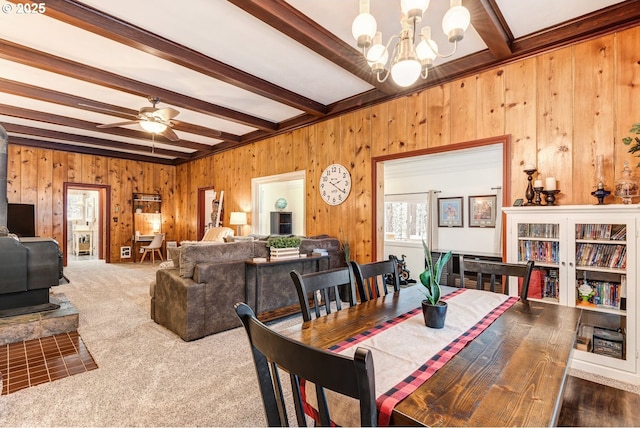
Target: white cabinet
(585, 256)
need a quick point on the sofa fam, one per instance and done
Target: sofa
(194, 298)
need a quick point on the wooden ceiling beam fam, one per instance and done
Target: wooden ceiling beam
(91, 126)
(81, 139)
(95, 21)
(61, 98)
(291, 22)
(29, 142)
(488, 26)
(44, 61)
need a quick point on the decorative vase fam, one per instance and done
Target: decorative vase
(434, 315)
(285, 253)
(626, 186)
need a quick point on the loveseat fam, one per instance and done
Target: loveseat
(195, 297)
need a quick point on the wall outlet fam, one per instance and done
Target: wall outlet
(125, 252)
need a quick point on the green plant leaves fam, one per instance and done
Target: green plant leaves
(284, 242)
(430, 278)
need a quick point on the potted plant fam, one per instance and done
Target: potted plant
(284, 247)
(635, 129)
(433, 309)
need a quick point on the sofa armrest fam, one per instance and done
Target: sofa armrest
(180, 304)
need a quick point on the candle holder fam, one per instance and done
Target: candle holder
(538, 199)
(600, 193)
(550, 196)
(529, 194)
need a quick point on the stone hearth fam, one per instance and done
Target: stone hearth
(40, 324)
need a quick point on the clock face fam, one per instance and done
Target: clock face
(335, 184)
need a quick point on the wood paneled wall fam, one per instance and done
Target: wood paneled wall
(561, 108)
(36, 176)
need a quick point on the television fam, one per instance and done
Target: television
(21, 219)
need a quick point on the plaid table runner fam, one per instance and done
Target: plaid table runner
(406, 353)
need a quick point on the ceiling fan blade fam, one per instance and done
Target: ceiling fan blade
(166, 114)
(170, 134)
(112, 125)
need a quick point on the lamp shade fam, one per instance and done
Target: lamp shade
(238, 218)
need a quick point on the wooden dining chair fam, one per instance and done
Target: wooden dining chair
(153, 247)
(371, 278)
(353, 377)
(322, 288)
(484, 268)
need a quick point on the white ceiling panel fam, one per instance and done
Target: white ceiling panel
(275, 82)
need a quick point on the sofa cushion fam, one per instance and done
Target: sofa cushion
(217, 234)
(223, 252)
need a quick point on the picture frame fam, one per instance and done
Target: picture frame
(482, 211)
(450, 212)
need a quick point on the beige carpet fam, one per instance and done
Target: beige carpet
(146, 376)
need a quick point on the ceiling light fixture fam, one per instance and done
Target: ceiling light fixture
(408, 61)
(153, 126)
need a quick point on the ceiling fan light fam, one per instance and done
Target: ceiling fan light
(405, 72)
(456, 21)
(153, 127)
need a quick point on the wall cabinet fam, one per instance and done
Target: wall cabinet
(585, 257)
(281, 223)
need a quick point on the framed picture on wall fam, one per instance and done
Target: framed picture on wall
(482, 211)
(450, 212)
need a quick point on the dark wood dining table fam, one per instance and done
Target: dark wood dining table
(512, 374)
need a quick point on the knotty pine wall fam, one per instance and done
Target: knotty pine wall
(36, 176)
(561, 108)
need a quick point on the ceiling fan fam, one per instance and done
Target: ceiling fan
(152, 119)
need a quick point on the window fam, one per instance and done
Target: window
(405, 216)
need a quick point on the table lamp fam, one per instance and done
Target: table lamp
(238, 219)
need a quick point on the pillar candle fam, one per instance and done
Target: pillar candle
(529, 167)
(537, 183)
(550, 183)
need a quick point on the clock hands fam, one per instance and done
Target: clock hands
(334, 185)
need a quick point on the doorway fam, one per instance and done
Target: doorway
(85, 236)
(281, 192)
(210, 209)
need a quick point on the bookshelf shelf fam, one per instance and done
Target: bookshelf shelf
(590, 254)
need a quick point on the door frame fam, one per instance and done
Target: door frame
(201, 221)
(103, 210)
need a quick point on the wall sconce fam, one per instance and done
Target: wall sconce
(238, 219)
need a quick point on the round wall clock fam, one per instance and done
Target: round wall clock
(335, 184)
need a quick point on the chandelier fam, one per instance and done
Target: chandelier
(408, 60)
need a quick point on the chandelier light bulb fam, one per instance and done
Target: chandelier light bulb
(405, 72)
(364, 27)
(456, 21)
(377, 55)
(414, 9)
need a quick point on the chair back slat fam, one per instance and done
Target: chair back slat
(353, 377)
(371, 278)
(323, 288)
(494, 270)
